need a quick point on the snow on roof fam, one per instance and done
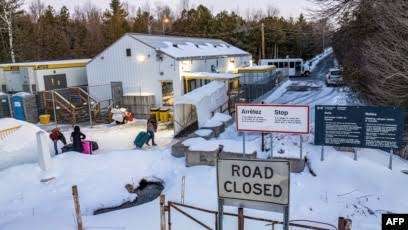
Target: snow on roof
(209, 75)
(195, 96)
(22, 94)
(71, 61)
(258, 68)
(188, 47)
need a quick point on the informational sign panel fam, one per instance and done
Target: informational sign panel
(273, 118)
(253, 183)
(359, 126)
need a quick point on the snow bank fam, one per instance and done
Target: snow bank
(100, 180)
(20, 146)
(203, 132)
(230, 145)
(312, 63)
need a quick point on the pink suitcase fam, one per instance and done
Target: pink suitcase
(87, 147)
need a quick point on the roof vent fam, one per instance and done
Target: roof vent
(196, 45)
(175, 45)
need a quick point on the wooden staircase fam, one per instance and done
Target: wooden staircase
(71, 105)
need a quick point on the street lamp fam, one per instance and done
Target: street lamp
(165, 21)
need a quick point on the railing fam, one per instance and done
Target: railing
(176, 206)
(6, 132)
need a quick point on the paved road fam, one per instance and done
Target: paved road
(319, 94)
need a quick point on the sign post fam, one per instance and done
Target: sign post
(257, 184)
(390, 161)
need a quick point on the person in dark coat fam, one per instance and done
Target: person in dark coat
(76, 138)
(56, 136)
(151, 129)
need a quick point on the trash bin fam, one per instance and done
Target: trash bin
(164, 115)
(155, 112)
(45, 119)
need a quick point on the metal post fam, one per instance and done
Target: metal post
(355, 154)
(183, 188)
(54, 109)
(271, 145)
(10, 107)
(243, 144)
(301, 146)
(322, 154)
(263, 135)
(89, 109)
(241, 219)
(390, 161)
(220, 213)
(286, 218)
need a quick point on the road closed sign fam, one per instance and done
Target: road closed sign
(258, 181)
(273, 118)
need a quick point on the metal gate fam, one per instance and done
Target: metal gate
(182, 209)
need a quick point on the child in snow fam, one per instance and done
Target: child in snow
(76, 138)
(151, 129)
(56, 136)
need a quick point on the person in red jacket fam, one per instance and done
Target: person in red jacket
(56, 136)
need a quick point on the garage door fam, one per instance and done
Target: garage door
(57, 81)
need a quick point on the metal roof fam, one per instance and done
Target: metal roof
(188, 47)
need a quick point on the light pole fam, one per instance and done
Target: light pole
(165, 21)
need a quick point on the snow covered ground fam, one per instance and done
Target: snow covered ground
(360, 190)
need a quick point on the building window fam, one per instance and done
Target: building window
(128, 52)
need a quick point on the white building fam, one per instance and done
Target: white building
(148, 64)
(44, 75)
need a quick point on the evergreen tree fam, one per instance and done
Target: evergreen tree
(115, 21)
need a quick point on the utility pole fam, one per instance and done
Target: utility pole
(263, 39)
(323, 25)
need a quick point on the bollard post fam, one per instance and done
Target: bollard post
(77, 207)
(241, 220)
(322, 154)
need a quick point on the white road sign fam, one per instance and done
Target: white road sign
(273, 118)
(254, 180)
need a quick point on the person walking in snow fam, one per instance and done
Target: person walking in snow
(56, 136)
(76, 138)
(151, 129)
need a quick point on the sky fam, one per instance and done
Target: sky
(287, 8)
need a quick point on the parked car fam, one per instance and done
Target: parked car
(334, 77)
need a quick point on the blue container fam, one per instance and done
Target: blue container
(18, 107)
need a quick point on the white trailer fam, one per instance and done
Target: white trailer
(292, 67)
(149, 64)
(45, 75)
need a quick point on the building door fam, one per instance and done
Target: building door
(58, 81)
(117, 93)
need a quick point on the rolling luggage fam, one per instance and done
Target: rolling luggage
(95, 145)
(87, 147)
(141, 139)
(67, 148)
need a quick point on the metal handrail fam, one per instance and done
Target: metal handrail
(273, 222)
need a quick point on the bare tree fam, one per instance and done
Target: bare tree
(8, 11)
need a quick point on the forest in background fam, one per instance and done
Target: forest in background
(44, 33)
(371, 42)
